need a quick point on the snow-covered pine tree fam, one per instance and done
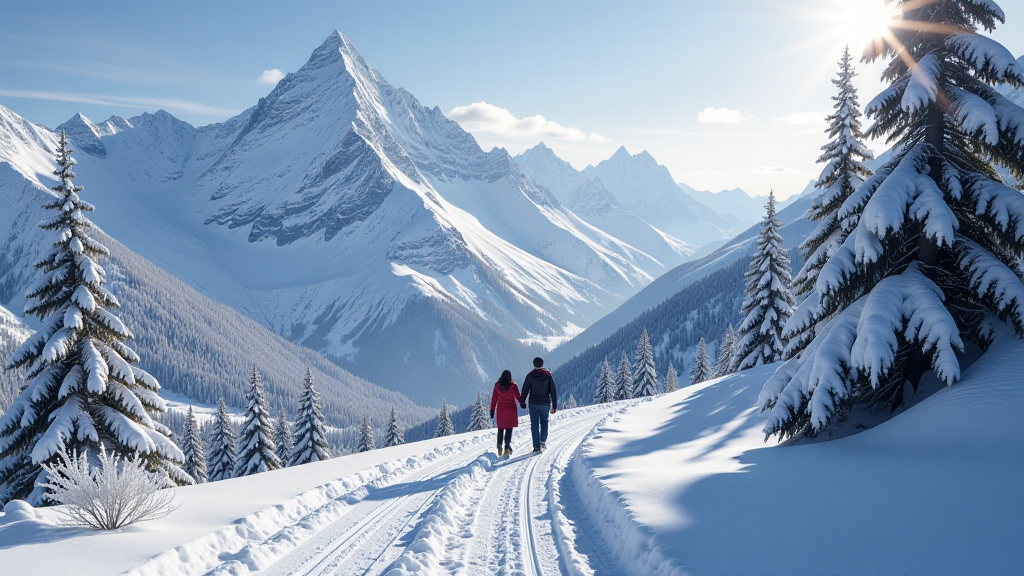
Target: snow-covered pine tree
(310, 433)
(283, 439)
(935, 256)
(570, 403)
(83, 390)
(481, 417)
(624, 379)
(444, 422)
(395, 435)
(257, 451)
(645, 379)
(192, 447)
(726, 356)
(367, 441)
(702, 369)
(768, 300)
(844, 172)
(222, 445)
(671, 379)
(606, 389)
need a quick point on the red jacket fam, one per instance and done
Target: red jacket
(506, 400)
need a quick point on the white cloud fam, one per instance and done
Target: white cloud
(271, 77)
(803, 118)
(484, 117)
(169, 104)
(711, 115)
(773, 170)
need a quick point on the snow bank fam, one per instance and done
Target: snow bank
(684, 484)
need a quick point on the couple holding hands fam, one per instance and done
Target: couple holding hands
(538, 392)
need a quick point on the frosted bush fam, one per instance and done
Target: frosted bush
(115, 493)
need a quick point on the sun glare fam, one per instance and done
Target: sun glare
(860, 21)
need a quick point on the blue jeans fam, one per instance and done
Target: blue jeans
(539, 424)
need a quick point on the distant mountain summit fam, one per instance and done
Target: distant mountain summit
(345, 216)
(646, 190)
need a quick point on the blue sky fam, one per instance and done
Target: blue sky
(726, 93)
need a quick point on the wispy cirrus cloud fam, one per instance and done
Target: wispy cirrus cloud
(485, 117)
(169, 104)
(270, 77)
(725, 116)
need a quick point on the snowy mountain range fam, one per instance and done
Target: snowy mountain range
(346, 217)
(747, 210)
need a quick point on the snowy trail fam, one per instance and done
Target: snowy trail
(466, 513)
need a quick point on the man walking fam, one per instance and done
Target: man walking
(539, 392)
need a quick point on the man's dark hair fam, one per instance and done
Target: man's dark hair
(538, 362)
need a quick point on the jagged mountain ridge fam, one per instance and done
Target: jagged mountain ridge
(346, 217)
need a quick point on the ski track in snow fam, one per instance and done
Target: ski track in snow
(466, 512)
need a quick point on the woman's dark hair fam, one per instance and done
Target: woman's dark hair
(506, 379)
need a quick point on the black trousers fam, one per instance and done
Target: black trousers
(505, 433)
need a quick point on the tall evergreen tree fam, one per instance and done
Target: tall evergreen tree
(257, 451)
(310, 433)
(843, 174)
(726, 356)
(395, 435)
(222, 445)
(702, 369)
(768, 302)
(283, 439)
(84, 390)
(367, 441)
(645, 379)
(935, 255)
(671, 379)
(624, 379)
(444, 423)
(481, 417)
(606, 389)
(192, 447)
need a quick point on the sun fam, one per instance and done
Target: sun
(860, 21)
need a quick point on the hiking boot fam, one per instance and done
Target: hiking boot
(508, 452)
(543, 447)
(536, 450)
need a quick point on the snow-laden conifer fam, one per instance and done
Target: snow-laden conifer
(624, 379)
(570, 403)
(283, 439)
(934, 257)
(480, 419)
(394, 435)
(257, 451)
(222, 445)
(84, 390)
(606, 389)
(444, 423)
(702, 369)
(844, 172)
(310, 433)
(726, 356)
(645, 379)
(768, 299)
(367, 441)
(192, 447)
(671, 379)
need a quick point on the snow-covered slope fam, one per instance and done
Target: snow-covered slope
(646, 189)
(345, 216)
(686, 482)
(12, 330)
(592, 202)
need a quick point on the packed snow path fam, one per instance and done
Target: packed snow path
(464, 512)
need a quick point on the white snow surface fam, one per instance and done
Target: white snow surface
(12, 331)
(681, 484)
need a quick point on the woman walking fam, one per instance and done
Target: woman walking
(505, 399)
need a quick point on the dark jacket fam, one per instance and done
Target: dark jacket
(539, 389)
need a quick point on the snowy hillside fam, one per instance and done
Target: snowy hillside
(195, 347)
(696, 299)
(592, 202)
(646, 189)
(12, 330)
(346, 217)
(681, 484)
